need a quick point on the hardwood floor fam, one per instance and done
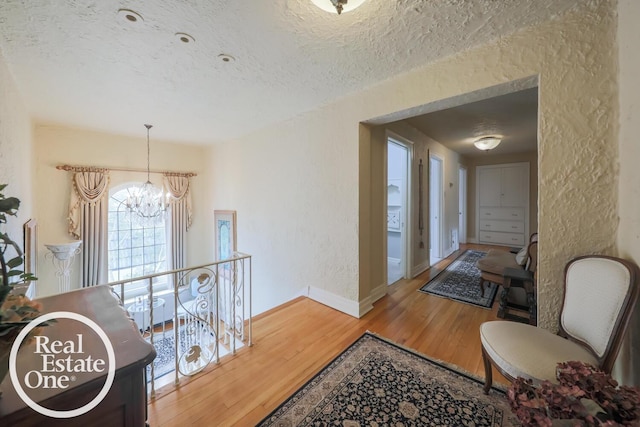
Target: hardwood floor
(294, 341)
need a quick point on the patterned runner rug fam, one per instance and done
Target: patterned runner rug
(460, 282)
(375, 382)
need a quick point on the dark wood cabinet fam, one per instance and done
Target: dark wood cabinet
(124, 405)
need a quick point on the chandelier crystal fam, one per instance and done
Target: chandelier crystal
(147, 201)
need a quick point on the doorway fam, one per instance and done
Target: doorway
(462, 207)
(398, 170)
(435, 207)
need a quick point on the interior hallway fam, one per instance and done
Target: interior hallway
(294, 341)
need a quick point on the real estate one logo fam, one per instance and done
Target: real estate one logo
(60, 362)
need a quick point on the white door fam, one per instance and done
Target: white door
(462, 205)
(490, 189)
(435, 207)
(513, 181)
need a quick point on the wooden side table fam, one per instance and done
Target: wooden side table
(125, 405)
(518, 277)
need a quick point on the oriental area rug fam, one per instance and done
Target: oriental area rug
(375, 382)
(460, 282)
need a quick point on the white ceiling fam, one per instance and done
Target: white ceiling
(79, 63)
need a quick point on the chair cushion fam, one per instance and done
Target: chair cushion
(522, 256)
(525, 351)
(496, 261)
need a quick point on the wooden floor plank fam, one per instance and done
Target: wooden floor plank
(294, 341)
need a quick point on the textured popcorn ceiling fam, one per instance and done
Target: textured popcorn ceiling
(79, 63)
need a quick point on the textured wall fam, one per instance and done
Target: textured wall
(295, 190)
(577, 148)
(16, 153)
(311, 161)
(629, 229)
(59, 145)
(577, 138)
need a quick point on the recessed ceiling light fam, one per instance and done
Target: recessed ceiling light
(130, 16)
(226, 58)
(185, 38)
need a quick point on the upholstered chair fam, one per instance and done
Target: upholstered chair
(493, 264)
(599, 295)
(512, 270)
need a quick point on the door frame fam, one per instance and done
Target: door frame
(440, 197)
(407, 212)
(462, 203)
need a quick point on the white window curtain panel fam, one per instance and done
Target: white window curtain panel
(178, 187)
(88, 211)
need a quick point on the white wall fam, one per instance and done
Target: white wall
(293, 189)
(61, 145)
(16, 153)
(629, 184)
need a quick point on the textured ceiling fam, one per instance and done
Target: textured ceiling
(79, 63)
(512, 117)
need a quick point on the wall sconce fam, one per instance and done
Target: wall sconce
(62, 255)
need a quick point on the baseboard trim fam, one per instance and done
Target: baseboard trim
(337, 302)
(347, 306)
(378, 292)
(420, 268)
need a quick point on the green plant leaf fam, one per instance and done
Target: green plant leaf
(14, 262)
(14, 273)
(9, 205)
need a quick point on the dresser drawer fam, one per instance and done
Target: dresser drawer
(507, 226)
(515, 214)
(511, 239)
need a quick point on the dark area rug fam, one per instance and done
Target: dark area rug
(376, 382)
(164, 362)
(460, 282)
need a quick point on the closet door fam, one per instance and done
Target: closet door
(513, 186)
(503, 204)
(490, 186)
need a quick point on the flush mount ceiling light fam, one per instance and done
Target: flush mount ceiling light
(487, 143)
(337, 6)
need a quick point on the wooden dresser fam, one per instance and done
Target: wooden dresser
(124, 405)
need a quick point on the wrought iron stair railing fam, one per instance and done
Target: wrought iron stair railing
(209, 315)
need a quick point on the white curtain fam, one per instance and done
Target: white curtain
(88, 210)
(178, 187)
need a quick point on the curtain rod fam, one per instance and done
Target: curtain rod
(70, 168)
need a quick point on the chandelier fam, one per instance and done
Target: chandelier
(147, 201)
(337, 6)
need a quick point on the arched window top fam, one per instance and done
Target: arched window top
(136, 247)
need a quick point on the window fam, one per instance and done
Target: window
(136, 247)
